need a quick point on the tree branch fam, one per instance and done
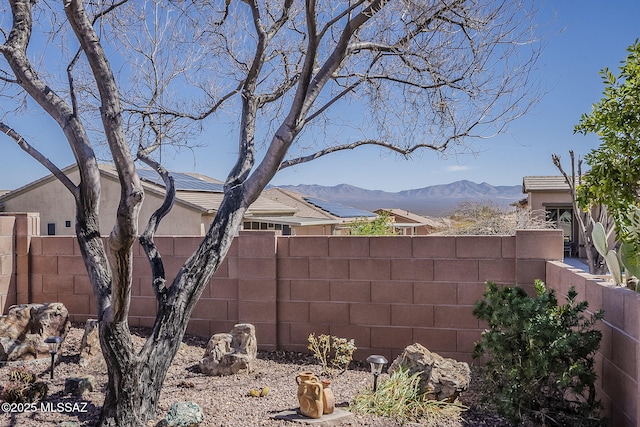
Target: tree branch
(246, 149)
(308, 90)
(400, 150)
(44, 161)
(124, 231)
(146, 238)
(352, 6)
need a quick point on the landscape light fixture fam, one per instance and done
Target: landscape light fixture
(377, 364)
(54, 344)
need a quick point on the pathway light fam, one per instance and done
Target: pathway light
(377, 365)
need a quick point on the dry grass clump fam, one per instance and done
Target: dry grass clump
(399, 398)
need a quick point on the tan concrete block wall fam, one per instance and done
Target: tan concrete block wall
(618, 359)
(7, 263)
(394, 291)
(385, 292)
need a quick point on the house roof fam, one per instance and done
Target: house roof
(404, 218)
(295, 220)
(339, 210)
(296, 200)
(203, 200)
(544, 183)
(312, 207)
(211, 202)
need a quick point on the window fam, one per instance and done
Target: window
(67, 224)
(563, 219)
(51, 229)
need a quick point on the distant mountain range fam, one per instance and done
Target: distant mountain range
(435, 200)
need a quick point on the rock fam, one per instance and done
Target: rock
(217, 347)
(228, 354)
(78, 386)
(183, 414)
(25, 327)
(440, 378)
(244, 340)
(90, 351)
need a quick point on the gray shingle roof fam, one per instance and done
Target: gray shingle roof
(544, 183)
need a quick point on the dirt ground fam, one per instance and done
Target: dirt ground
(225, 400)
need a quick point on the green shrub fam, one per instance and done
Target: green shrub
(540, 356)
(399, 398)
(333, 353)
(382, 225)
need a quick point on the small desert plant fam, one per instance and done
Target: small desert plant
(23, 387)
(333, 353)
(262, 392)
(540, 356)
(399, 398)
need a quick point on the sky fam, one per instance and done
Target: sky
(582, 37)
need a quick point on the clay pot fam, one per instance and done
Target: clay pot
(310, 394)
(328, 399)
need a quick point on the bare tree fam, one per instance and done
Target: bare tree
(430, 74)
(586, 218)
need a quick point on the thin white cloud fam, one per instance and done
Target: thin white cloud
(457, 168)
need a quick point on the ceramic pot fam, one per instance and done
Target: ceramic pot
(310, 394)
(328, 399)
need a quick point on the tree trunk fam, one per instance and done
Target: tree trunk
(121, 405)
(135, 380)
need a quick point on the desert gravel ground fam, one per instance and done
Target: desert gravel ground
(224, 400)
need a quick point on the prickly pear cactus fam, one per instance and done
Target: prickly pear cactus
(610, 256)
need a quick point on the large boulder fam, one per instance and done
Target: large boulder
(228, 354)
(25, 327)
(217, 347)
(440, 378)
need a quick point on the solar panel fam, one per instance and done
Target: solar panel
(341, 211)
(182, 181)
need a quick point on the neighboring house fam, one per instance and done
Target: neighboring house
(407, 223)
(551, 195)
(197, 200)
(313, 216)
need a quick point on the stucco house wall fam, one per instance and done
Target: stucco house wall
(538, 200)
(56, 206)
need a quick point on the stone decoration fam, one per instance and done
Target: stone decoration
(183, 414)
(217, 347)
(228, 354)
(77, 386)
(90, 351)
(440, 378)
(25, 327)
